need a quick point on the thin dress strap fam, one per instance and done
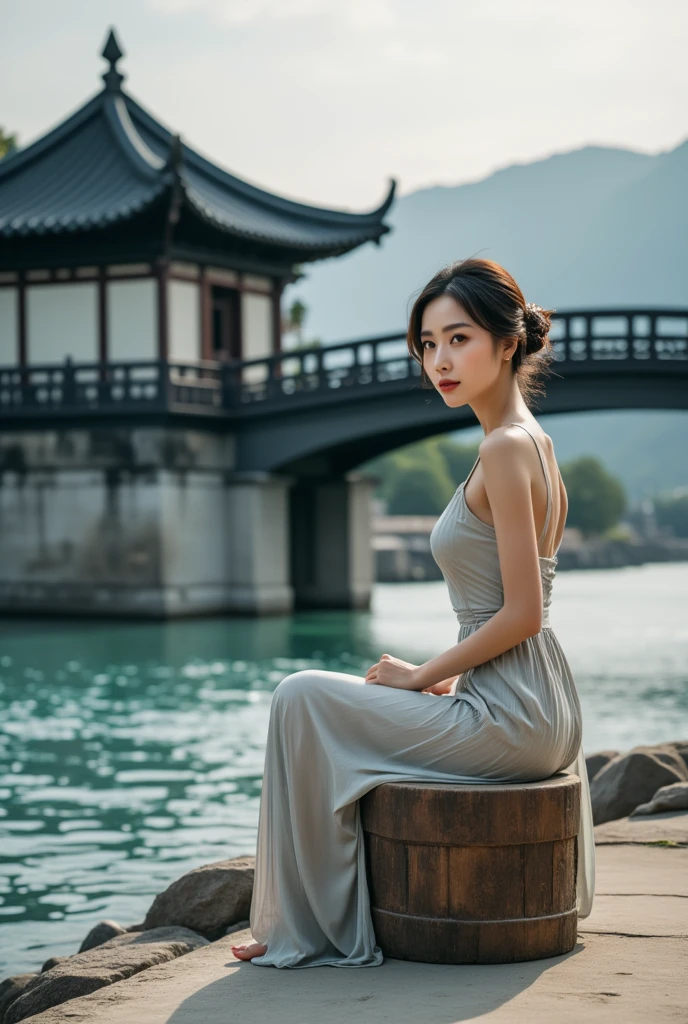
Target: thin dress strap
(547, 479)
(471, 472)
(544, 470)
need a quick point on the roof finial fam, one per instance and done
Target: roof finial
(112, 52)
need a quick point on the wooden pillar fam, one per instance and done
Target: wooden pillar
(21, 318)
(239, 320)
(206, 316)
(102, 316)
(162, 275)
(278, 287)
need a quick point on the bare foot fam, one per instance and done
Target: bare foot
(248, 951)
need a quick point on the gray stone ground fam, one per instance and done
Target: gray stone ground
(629, 965)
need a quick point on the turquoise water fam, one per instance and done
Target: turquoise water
(131, 753)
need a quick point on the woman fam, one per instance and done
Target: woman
(513, 713)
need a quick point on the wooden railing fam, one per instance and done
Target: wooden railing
(584, 342)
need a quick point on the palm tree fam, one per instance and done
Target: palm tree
(8, 143)
(296, 319)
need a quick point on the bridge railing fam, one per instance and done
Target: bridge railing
(612, 336)
(589, 342)
(324, 369)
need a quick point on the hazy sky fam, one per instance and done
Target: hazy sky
(325, 100)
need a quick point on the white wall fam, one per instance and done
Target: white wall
(256, 323)
(9, 327)
(62, 320)
(184, 320)
(132, 320)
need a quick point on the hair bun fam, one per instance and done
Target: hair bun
(537, 323)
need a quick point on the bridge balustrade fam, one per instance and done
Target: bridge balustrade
(584, 343)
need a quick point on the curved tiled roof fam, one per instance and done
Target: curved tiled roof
(111, 160)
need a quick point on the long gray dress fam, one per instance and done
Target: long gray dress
(332, 737)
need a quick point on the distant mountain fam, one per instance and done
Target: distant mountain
(598, 226)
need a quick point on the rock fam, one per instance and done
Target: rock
(666, 829)
(100, 933)
(666, 752)
(668, 798)
(207, 899)
(682, 750)
(633, 778)
(10, 988)
(112, 961)
(136, 927)
(52, 962)
(595, 762)
(238, 927)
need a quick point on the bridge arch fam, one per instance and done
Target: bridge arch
(322, 412)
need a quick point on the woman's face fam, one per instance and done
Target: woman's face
(455, 348)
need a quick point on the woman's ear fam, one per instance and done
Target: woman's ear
(509, 348)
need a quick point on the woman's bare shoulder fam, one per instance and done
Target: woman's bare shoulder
(502, 443)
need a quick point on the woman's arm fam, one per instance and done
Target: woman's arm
(444, 686)
(504, 458)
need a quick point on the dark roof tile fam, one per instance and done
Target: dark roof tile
(111, 160)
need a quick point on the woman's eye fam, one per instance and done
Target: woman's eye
(461, 337)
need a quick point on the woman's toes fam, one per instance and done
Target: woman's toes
(248, 951)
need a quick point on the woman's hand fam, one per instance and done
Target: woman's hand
(444, 686)
(390, 671)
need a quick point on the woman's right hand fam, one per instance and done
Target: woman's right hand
(444, 686)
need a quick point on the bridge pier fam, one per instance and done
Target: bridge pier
(332, 563)
(257, 527)
(139, 522)
(155, 522)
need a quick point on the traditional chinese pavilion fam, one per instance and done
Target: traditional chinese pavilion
(118, 242)
(131, 267)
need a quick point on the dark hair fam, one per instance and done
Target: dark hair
(491, 297)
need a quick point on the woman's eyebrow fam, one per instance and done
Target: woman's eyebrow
(449, 327)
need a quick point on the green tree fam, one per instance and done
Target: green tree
(410, 491)
(296, 319)
(8, 143)
(458, 457)
(672, 510)
(418, 484)
(597, 500)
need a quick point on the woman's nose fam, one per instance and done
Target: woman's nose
(442, 361)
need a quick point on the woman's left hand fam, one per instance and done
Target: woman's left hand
(390, 671)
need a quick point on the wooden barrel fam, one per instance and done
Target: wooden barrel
(462, 873)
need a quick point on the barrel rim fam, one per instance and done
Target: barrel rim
(559, 780)
(451, 814)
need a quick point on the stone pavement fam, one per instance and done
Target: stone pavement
(629, 966)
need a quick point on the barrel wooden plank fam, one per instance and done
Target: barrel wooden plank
(464, 815)
(387, 873)
(428, 880)
(491, 898)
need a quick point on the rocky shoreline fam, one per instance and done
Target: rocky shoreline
(206, 904)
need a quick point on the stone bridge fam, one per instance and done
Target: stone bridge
(170, 488)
